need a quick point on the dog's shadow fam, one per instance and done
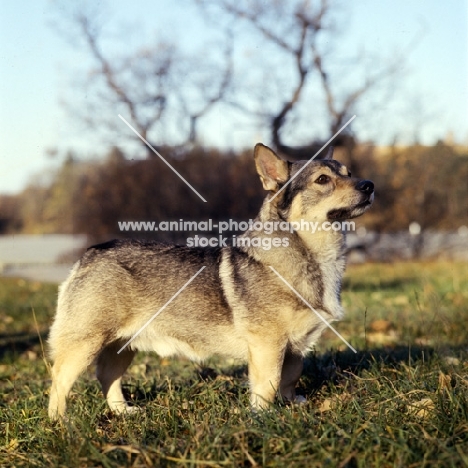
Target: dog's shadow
(320, 371)
(230, 378)
(333, 367)
(16, 343)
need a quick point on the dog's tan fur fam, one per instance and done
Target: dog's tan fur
(236, 307)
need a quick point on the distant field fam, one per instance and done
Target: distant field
(401, 401)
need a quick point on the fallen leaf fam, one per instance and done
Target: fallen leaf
(332, 403)
(422, 409)
(445, 382)
(452, 361)
(12, 445)
(381, 326)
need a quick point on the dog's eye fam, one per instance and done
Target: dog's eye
(323, 179)
(349, 174)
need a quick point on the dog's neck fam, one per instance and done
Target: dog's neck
(328, 245)
(325, 245)
(318, 257)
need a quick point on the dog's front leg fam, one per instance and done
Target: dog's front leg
(265, 364)
(292, 370)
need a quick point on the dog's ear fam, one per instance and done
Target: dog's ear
(329, 154)
(272, 170)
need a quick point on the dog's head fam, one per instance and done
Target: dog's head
(317, 190)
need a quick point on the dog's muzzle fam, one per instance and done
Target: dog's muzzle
(366, 188)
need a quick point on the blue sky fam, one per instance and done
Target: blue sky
(37, 70)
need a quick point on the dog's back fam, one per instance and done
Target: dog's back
(118, 286)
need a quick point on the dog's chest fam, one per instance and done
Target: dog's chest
(322, 284)
(332, 274)
(325, 264)
(305, 333)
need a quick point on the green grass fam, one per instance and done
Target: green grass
(401, 401)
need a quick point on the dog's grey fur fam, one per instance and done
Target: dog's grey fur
(236, 307)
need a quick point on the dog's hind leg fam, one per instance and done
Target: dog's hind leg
(71, 359)
(110, 368)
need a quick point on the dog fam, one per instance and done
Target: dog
(237, 306)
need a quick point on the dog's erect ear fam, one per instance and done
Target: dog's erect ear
(329, 154)
(272, 170)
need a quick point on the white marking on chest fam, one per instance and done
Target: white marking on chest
(332, 273)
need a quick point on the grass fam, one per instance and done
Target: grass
(401, 401)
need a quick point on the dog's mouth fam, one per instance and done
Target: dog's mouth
(367, 202)
(351, 211)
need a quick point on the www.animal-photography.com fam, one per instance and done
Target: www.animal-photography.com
(234, 233)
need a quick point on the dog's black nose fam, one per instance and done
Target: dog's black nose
(365, 186)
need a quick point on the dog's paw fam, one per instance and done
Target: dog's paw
(126, 410)
(300, 400)
(133, 410)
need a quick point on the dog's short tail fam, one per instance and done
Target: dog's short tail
(61, 312)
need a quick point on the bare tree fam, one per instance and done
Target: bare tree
(161, 91)
(296, 76)
(300, 32)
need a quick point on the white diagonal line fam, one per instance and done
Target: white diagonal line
(313, 310)
(161, 309)
(157, 154)
(311, 159)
